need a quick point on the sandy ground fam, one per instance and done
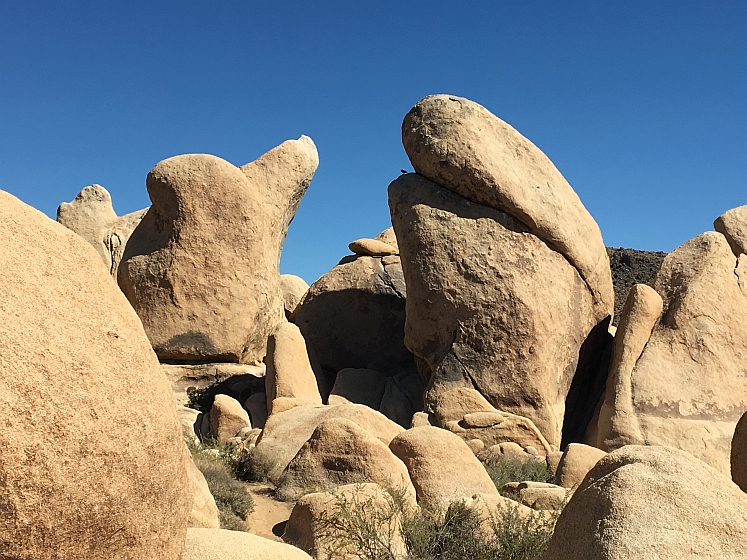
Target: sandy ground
(268, 512)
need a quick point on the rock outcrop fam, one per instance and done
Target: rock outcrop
(649, 503)
(91, 215)
(441, 466)
(733, 225)
(685, 385)
(354, 316)
(201, 269)
(93, 460)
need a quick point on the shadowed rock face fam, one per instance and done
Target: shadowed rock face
(201, 269)
(630, 267)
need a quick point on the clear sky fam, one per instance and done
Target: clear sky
(642, 105)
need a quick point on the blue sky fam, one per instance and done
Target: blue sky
(641, 105)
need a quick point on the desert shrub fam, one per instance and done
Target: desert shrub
(371, 531)
(252, 466)
(513, 469)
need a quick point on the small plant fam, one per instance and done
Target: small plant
(510, 469)
(252, 466)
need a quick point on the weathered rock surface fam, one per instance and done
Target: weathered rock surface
(204, 510)
(631, 267)
(652, 503)
(490, 306)
(201, 269)
(93, 462)
(289, 372)
(462, 146)
(286, 432)
(577, 460)
(354, 316)
(371, 248)
(362, 386)
(227, 418)
(293, 289)
(91, 215)
(310, 528)
(733, 225)
(220, 544)
(341, 452)
(688, 384)
(739, 454)
(441, 466)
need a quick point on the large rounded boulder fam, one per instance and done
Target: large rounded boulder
(93, 464)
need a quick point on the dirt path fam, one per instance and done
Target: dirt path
(268, 511)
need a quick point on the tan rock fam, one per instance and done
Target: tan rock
(293, 289)
(441, 466)
(220, 544)
(188, 418)
(462, 146)
(508, 450)
(475, 445)
(493, 307)
(389, 237)
(285, 433)
(420, 419)
(577, 460)
(204, 510)
(310, 527)
(227, 418)
(341, 452)
(371, 248)
(289, 372)
(536, 495)
(256, 406)
(93, 459)
(362, 386)
(201, 269)
(739, 454)
(651, 503)
(733, 225)
(354, 317)
(687, 389)
(493, 507)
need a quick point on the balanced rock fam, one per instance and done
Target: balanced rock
(371, 248)
(293, 289)
(286, 432)
(362, 386)
(577, 460)
(201, 269)
(289, 371)
(93, 460)
(227, 418)
(733, 225)
(220, 544)
(312, 525)
(738, 457)
(91, 215)
(651, 503)
(493, 307)
(341, 452)
(441, 466)
(354, 316)
(683, 385)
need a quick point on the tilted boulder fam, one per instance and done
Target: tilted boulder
(289, 372)
(286, 432)
(201, 269)
(354, 316)
(93, 459)
(577, 460)
(221, 544)
(441, 466)
(733, 225)
(341, 452)
(685, 384)
(293, 289)
(91, 215)
(227, 418)
(651, 503)
(493, 307)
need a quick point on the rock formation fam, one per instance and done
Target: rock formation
(577, 460)
(201, 269)
(293, 289)
(220, 544)
(733, 225)
(91, 215)
(648, 503)
(93, 460)
(677, 375)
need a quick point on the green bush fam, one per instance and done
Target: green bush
(253, 467)
(512, 469)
